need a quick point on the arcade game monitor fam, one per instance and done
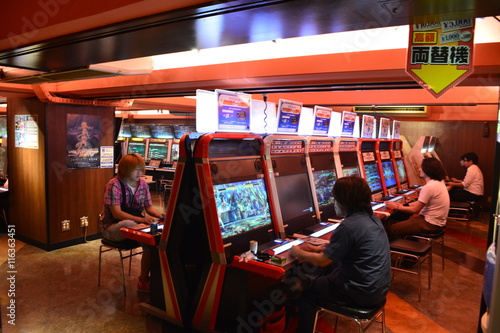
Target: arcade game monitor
(243, 212)
(400, 164)
(296, 201)
(137, 147)
(373, 177)
(389, 176)
(350, 166)
(323, 182)
(157, 151)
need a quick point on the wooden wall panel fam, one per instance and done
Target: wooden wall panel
(26, 169)
(73, 193)
(455, 139)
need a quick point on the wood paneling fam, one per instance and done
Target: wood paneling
(456, 139)
(74, 193)
(42, 191)
(26, 169)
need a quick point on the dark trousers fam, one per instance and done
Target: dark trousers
(461, 195)
(308, 303)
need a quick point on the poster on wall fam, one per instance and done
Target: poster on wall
(83, 141)
(26, 131)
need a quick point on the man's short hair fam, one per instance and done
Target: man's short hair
(470, 157)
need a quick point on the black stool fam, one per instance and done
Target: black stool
(418, 252)
(126, 245)
(358, 315)
(462, 211)
(431, 238)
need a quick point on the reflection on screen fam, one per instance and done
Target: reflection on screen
(350, 171)
(373, 177)
(157, 151)
(242, 207)
(401, 171)
(389, 176)
(137, 148)
(323, 182)
(294, 193)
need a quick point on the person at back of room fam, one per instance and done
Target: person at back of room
(471, 188)
(358, 256)
(429, 213)
(126, 198)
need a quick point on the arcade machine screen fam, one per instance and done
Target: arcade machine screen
(350, 164)
(242, 207)
(162, 131)
(324, 181)
(373, 177)
(125, 131)
(140, 131)
(296, 201)
(174, 155)
(137, 147)
(389, 176)
(401, 171)
(157, 151)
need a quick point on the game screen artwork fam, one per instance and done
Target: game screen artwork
(350, 171)
(389, 176)
(157, 151)
(137, 148)
(242, 207)
(373, 177)
(174, 155)
(401, 171)
(324, 181)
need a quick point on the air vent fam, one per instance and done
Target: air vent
(393, 110)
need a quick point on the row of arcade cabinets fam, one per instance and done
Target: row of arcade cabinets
(230, 189)
(157, 153)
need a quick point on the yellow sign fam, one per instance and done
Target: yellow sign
(440, 54)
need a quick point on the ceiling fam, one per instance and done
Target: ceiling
(59, 66)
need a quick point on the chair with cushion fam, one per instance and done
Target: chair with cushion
(416, 253)
(121, 246)
(362, 316)
(431, 238)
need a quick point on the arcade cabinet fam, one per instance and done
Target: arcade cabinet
(290, 183)
(345, 152)
(234, 201)
(180, 255)
(398, 160)
(370, 167)
(320, 154)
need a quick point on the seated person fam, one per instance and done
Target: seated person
(126, 197)
(471, 188)
(432, 205)
(358, 255)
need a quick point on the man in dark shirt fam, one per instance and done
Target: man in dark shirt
(358, 253)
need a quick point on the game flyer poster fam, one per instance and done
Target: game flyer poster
(234, 111)
(322, 118)
(83, 141)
